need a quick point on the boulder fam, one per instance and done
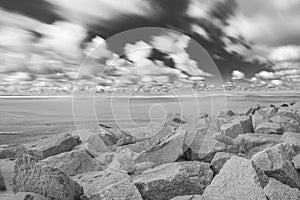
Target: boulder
(188, 197)
(96, 145)
(173, 179)
(136, 147)
(107, 185)
(126, 159)
(236, 180)
(165, 151)
(296, 162)
(275, 190)
(286, 123)
(30, 176)
(263, 115)
(27, 196)
(288, 112)
(141, 167)
(11, 151)
(52, 145)
(293, 139)
(73, 162)
(232, 129)
(176, 120)
(219, 160)
(2, 182)
(251, 111)
(275, 162)
(268, 128)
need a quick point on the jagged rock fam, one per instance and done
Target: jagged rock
(2, 182)
(30, 176)
(296, 162)
(126, 159)
(136, 147)
(219, 160)
(236, 180)
(288, 112)
(107, 185)
(227, 114)
(167, 150)
(247, 144)
(175, 120)
(140, 167)
(232, 129)
(275, 162)
(52, 145)
(11, 151)
(263, 115)
(188, 197)
(73, 162)
(275, 190)
(251, 111)
(268, 128)
(286, 123)
(27, 196)
(106, 158)
(293, 139)
(173, 179)
(237, 126)
(96, 145)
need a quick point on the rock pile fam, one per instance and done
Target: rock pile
(254, 156)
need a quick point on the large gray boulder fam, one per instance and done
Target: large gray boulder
(263, 115)
(30, 176)
(73, 162)
(286, 123)
(165, 151)
(107, 185)
(288, 112)
(96, 145)
(173, 179)
(236, 180)
(296, 162)
(275, 190)
(238, 125)
(292, 139)
(188, 197)
(2, 182)
(11, 151)
(27, 196)
(52, 145)
(268, 128)
(219, 160)
(276, 163)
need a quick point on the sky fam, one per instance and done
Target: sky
(43, 43)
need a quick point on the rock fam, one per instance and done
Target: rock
(140, 167)
(126, 159)
(237, 126)
(27, 196)
(136, 147)
(175, 120)
(173, 179)
(236, 180)
(275, 162)
(168, 150)
(286, 123)
(251, 111)
(73, 162)
(263, 115)
(268, 128)
(105, 159)
(275, 190)
(219, 160)
(52, 145)
(296, 162)
(107, 185)
(96, 145)
(232, 129)
(288, 112)
(30, 176)
(188, 197)
(2, 182)
(11, 151)
(293, 139)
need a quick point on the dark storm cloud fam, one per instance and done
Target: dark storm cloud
(37, 9)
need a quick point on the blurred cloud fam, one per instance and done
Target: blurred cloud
(265, 75)
(237, 75)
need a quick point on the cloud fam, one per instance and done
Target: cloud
(285, 53)
(238, 75)
(265, 75)
(276, 82)
(65, 39)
